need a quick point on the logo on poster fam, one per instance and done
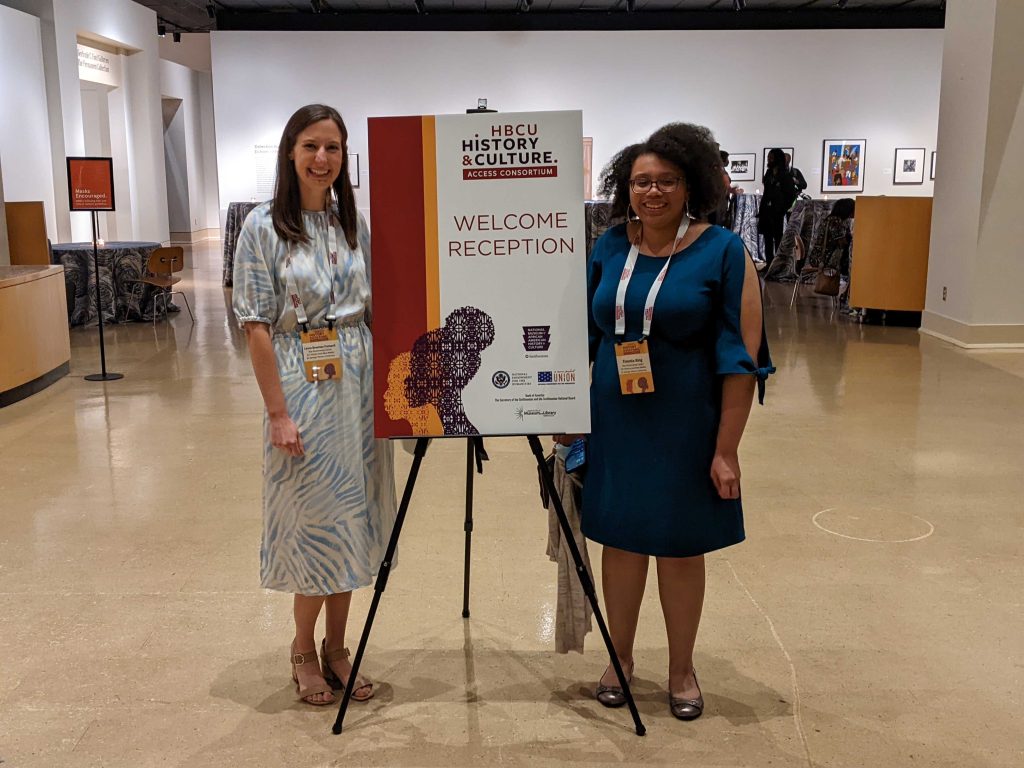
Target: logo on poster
(501, 379)
(556, 377)
(536, 338)
(511, 151)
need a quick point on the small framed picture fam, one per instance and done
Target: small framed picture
(908, 166)
(788, 151)
(741, 166)
(931, 173)
(353, 169)
(842, 165)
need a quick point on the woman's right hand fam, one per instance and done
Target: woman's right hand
(284, 435)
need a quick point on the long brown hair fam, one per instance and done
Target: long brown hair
(286, 211)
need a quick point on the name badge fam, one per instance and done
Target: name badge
(321, 355)
(633, 359)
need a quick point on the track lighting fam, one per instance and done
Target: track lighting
(739, 5)
(211, 10)
(161, 29)
(419, 6)
(176, 36)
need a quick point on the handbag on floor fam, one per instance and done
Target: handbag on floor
(827, 282)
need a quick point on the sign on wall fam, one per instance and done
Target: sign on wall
(479, 274)
(91, 183)
(99, 66)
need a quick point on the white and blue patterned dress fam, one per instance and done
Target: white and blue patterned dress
(327, 516)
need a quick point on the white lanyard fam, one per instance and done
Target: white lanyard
(652, 296)
(332, 266)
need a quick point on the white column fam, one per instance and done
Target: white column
(976, 268)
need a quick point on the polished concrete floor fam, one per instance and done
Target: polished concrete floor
(872, 618)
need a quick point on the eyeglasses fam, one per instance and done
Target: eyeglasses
(642, 184)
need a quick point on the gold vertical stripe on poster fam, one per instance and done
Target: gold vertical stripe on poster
(433, 278)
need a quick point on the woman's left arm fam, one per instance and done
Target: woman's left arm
(738, 392)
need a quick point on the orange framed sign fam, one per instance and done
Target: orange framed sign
(91, 183)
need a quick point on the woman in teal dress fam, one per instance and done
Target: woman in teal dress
(663, 475)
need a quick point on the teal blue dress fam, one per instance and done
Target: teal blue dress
(648, 486)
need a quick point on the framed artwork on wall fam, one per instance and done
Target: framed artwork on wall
(353, 169)
(741, 166)
(908, 166)
(588, 167)
(931, 173)
(842, 165)
(790, 156)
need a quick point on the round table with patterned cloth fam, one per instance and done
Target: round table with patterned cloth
(121, 265)
(232, 226)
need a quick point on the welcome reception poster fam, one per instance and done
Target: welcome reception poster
(479, 274)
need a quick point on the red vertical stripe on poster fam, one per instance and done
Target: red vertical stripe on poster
(398, 245)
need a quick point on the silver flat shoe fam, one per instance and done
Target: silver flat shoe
(612, 696)
(687, 709)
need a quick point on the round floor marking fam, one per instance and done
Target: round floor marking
(929, 532)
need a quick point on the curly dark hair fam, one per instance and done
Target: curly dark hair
(691, 148)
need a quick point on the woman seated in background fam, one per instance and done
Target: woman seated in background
(833, 242)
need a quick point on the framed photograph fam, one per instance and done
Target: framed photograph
(741, 166)
(931, 173)
(908, 166)
(842, 165)
(790, 155)
(588, 167)
(353, 169)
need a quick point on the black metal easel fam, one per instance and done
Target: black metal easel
(474, 458)
(103, 375)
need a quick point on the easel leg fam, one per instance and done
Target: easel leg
(382, 578)
(585, 580)
(468, 527)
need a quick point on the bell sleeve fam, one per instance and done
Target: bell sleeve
(253, 299)
(731, 356)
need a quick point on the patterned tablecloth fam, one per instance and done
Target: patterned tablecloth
(232, 226)
(120, 265)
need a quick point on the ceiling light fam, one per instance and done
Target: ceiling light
(176, 36)
(161, 29)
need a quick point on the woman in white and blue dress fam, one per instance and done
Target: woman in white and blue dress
(328, 485)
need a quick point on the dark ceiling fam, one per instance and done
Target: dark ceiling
(202, 15)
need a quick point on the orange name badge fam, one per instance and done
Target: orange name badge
(634, 362)
(321, 355)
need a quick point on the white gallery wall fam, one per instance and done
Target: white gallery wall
(140, 187)
(755, 89)
(194, 164)
(24, 128)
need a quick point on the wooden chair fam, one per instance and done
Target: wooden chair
(804, 272)
(161, 268)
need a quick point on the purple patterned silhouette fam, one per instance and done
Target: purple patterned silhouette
(444, 361)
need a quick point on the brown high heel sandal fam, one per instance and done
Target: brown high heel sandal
(305, 694)
(363, 690)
